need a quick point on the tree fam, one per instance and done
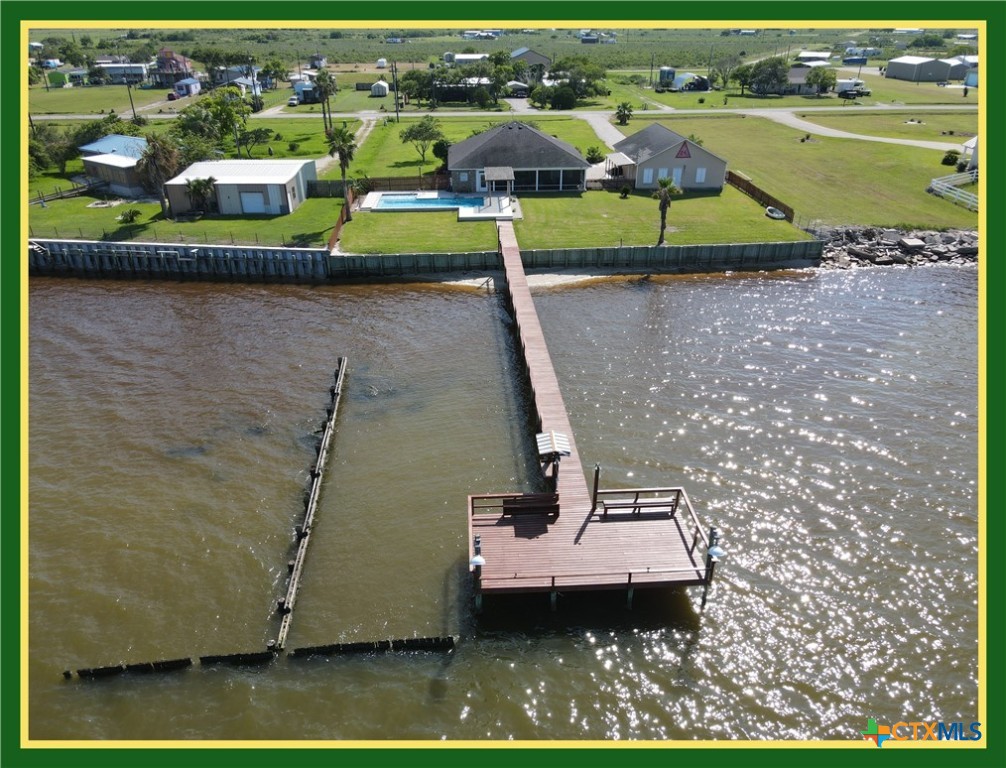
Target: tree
(481, 96)
(583, 76)
(324, 84)
(272, 72)
(564, 97)
(536, 71)
(541, 96)
(623, 113)
(823, 78)
(222, 113)
(254, 137)
(159, 163)
(422, 135)
(725, 68)
(742, 75)
(769, 75)
(440, 149)
(663, 194)
(342, 142)
(200, 192)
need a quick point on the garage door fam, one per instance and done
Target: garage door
(252, 202)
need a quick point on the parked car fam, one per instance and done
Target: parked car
(854, 93)
(293, 101)
(172, 96)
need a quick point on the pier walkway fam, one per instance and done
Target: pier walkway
(586, 539)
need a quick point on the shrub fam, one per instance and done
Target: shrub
(594, 155)
(277, 136)
(293, 146)
(962, 166)
(702, 100)
(951, 157)
(624, 191)
(130, 215)
(564, 98)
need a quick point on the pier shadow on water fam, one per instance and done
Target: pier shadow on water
(531, 614)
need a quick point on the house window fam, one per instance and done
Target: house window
(678, 172)
(662, 173)
(463, 175)
(700, 175)
(647, 175)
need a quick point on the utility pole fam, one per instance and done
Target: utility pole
(129, 90)
(394, 77)
(651, 70)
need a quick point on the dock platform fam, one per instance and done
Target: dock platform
(585, 538)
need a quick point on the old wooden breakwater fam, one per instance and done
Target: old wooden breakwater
(285, 605)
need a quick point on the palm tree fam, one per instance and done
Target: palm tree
(342, 142)
(324, 83)
(161, 161)
(666, 188)
(200, 192)
(623, 112)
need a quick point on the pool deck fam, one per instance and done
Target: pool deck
(484, 207)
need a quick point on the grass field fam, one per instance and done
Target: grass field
(826, 180)
(95, 99)
(420, 232)
(604, 219)
(309, 226)
(949, 127)
(384, 153)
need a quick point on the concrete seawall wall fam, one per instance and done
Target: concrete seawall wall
(97, 259)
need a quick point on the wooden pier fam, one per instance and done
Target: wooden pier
(576, 538)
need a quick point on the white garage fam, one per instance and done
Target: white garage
(243, 187)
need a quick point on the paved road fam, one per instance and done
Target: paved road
(600, 120)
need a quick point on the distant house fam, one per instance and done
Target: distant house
(589, 39)
(916, 69)
(245, 187)
(170, 68)
(123, 72)
(531, 58)
(515, 156)
(796, 82)
(813, 56)
(77, 77)
(657, 152)
(112, 159)
(464, 59)
(187, 87)
(317, 61)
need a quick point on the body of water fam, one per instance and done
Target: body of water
(825, 421)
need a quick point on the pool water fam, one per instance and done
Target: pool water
(413, 202)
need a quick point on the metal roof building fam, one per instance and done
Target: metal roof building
(245, 187)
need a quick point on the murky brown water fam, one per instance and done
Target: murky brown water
(826, 422)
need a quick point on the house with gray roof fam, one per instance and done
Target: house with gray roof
(531, 58)
(515, 156)
(657, 152)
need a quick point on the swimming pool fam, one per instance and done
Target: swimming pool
(419, 201)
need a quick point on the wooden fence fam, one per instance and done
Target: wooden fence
(758, 194)
(343, 215)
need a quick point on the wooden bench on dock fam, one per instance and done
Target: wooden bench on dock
(532, 504)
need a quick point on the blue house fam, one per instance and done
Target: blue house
(116, 144)
(187, 87)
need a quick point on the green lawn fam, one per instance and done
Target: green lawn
(950, 127)
(307, 134)
(384, 153)
(309, 226)
(830, 181)
(420, 232)
(93, 99)
(604, 219)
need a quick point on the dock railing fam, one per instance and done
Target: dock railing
(639, 500)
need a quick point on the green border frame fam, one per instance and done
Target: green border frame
(989, 752)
